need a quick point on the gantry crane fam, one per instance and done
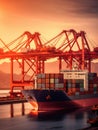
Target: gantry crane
(75, 49)
(30, 53)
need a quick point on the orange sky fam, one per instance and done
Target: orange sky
(49, 17)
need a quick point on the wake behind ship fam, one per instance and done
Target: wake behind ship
(66, 90)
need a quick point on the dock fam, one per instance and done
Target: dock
(9, 100)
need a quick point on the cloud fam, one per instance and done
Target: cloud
(43, 15)
(86, 7)
(56, 8)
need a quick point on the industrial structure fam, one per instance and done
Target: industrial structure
(30, 52)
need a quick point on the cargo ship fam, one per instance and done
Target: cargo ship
(67, 90)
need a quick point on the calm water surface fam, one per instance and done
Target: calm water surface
(22, 117)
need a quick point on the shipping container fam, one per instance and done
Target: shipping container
(81, 89)
(52, 76)
(39, 81)
(56, 80)
(52, 85)
(43, 80)
(47, 85)
(47, 76)
(51, 80)
(47, 80)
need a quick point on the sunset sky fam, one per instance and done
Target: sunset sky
(49, 17)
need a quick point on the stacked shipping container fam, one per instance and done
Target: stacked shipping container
(71, 86)
(50, 81)
(76, 86)
(93, 83)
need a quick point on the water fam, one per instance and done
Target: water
(22, 117)
(4, 93)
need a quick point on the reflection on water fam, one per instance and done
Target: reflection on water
(46, 116)
(80, 114)
(12, 110)
(36, 120)
(72, 120)
(22, 110)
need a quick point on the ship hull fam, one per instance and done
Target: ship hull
(52, 100)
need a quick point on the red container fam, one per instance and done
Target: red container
(52, 76)
(39, 81)
(52, 85)
(47, 81)
(47, 85)
(43, 81)
(82, 93)
(47, 76)
(73, 89)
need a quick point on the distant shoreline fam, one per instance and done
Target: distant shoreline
(4, 89)
(4, 101)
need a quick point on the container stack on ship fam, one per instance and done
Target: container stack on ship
(76, 82)
(73, 82)
(93, 83)
(80, 82)
(50, 81)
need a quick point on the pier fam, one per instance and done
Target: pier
(9, 100)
